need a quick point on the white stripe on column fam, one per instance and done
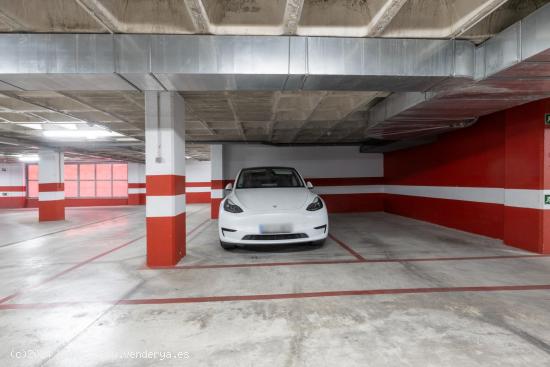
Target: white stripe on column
(165, 206)
(216, 194)
(139, 190)
(521, 198)
(198, 189)
(51, 195)
(8, 194)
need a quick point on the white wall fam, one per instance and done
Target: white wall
(12, 174)
(311, 162)
(197, 171)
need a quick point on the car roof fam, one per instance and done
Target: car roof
(268, 167)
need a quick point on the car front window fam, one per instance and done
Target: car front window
(268, 178)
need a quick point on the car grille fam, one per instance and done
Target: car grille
(272, 237)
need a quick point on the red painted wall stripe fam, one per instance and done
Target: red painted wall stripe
(197, 197)
(481, 218)
(51, 187)
(12, 202)
(165, 185)
(197, 184)
(13, 188)
(136, 185)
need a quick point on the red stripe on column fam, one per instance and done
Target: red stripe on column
(197, 184)
(220, 184)
(215, 208)
(136, 185)
(133, 199)
(523, 228)
(165, 240)
(13, 188)
(50, 187)
(165, 185)
(51, 210)
(197, 197)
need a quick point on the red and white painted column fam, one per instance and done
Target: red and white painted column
(527, 177)
(165, 177)
(136, 183)
(51, 189)
(216, 179)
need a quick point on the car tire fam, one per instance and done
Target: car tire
(319, 243)
(227, 246)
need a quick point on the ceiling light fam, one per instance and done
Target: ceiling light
(188, 157)
(64, 126)
(77, 134)
(126, 139)
(32, 126)
(29, 158)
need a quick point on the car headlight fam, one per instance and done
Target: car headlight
(315, 205)
(231, 207)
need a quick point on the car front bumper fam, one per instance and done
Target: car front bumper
(233, 228)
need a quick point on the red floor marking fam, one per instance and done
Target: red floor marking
(259, 297)
(347, 248)
(67, 229)
(76, 266)
(325, 262)
(252, 265)
(421, 259)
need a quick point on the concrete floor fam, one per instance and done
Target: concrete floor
(385, 290)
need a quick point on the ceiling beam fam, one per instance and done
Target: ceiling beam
(235, 116)
(13, 23)
(100, 14)
(468, 22)
(292, 15)
(384, 17)
(198, 15)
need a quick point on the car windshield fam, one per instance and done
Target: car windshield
(268, 177)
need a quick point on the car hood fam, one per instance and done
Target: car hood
(283, 198)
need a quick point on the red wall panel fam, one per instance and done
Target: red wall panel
(473, 157)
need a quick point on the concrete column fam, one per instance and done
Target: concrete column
(217, 182)
(527, 177)
(51, 189)
(136, 183)
(165, 177)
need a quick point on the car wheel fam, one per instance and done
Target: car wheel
(227, 246)
(319, 243)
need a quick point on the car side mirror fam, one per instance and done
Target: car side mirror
(309, 185)
(229, 187)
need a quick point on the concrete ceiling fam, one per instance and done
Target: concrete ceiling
(475, 20)
(280, 117)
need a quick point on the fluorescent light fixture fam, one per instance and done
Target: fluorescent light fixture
(78, 134)
(126, 139)
(188, 157)
(29, 158)
(64, 126)
(32, 126)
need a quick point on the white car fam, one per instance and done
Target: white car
(271, 205)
